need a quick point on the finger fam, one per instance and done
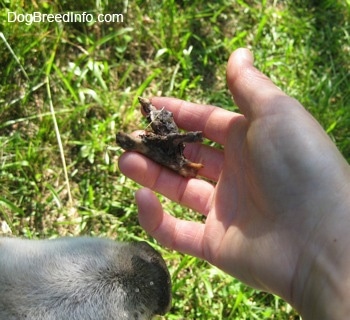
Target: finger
(253, 92)
(175, 187)
(213, 121)
(210, 157)
(180, 235)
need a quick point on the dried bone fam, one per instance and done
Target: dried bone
(164, 144)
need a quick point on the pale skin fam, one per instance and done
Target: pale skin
(278, 212)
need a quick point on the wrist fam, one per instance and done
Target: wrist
(321, 284)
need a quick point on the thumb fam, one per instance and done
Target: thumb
(254, 93)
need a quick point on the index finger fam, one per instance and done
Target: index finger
(213, 121)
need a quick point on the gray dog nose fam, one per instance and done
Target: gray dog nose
(81, 278)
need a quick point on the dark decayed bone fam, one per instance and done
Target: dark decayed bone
(165, 144)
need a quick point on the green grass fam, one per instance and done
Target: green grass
(91, 75)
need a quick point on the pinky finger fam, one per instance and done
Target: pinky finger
(174, 233)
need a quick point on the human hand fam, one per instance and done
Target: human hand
(280, 200)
